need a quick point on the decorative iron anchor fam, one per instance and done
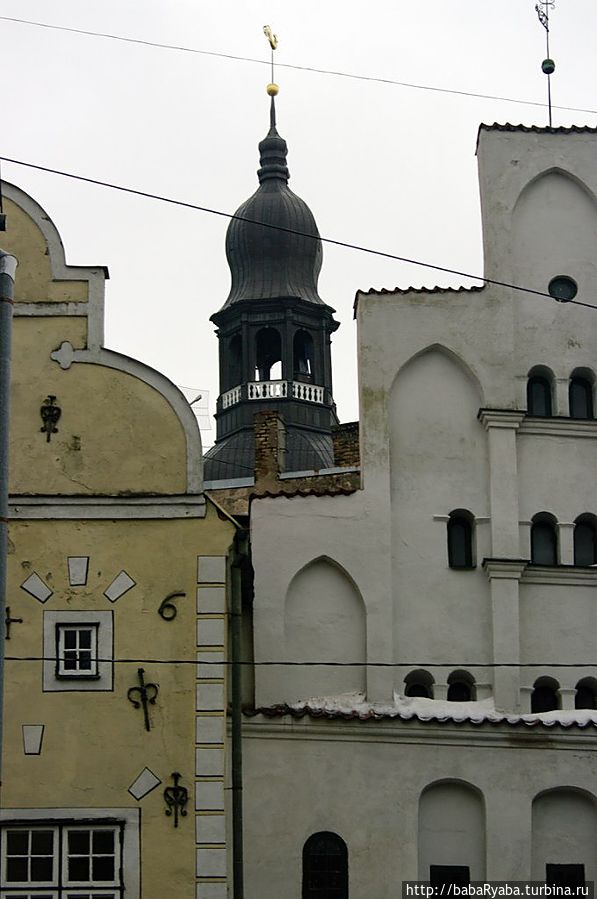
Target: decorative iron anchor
(50, 415)
(8, 621)
(176, 798)
(146, 693)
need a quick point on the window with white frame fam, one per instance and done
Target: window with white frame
(78, 650)
(62, 861)
(76, 646)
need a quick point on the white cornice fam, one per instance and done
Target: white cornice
(69, 508)
(505, 568)
(568, 575)
(501, 418)
(559, 427)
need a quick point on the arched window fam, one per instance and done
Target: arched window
(586, 694)
(235, 355)
(419, 683)
(461, 687)
(580, 394)
(544, 540)
(325, 867)
(539, 391)
(585, 540)
(460, 539)
(268, 353)
(303, 356)
(544, 697)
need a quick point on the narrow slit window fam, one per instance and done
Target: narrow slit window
(544, 542)
(539, 396)
(580, 397)
(585, 542)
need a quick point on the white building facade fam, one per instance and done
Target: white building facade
(451, 733)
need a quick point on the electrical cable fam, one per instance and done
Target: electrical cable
(328, 240)
(318, 664)
(338, 74)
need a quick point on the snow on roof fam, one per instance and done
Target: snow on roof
(353, 706)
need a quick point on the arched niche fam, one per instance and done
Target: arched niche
(438, 452)
(554, 229)
(564, 832)
(451, 832)
(324, 621)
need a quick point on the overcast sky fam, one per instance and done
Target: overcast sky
(381, 165)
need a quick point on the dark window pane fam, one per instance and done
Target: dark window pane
(78, 868)
(42, 842)
(543, 543)
(85, 639)
(325, 867)
(565, 875)
(70, 661)
(544, 699)
(459, 543)
(580, 397)
(103, 868)
(78, 842)
(585, 698)
(585, 544)
(42, 868)
(459, 692)
(539, 397)
(85, 661)
(447, 874)
(16, 870)
(70, 640)
(17, 842)
(418, 690)
(103, 841)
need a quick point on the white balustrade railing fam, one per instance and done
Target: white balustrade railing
(267, 390)
(308, 392)
(231, 397)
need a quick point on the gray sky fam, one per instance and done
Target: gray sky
(387, 167)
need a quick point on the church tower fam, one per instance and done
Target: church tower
(274, 330)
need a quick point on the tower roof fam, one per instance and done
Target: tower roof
(284, 259)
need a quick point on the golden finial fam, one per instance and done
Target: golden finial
(272, 89)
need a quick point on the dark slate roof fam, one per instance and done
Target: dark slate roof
(273, 262)
(234, 457)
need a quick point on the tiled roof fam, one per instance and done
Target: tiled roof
(537, 129)
(324, 490)
(373, 291)
(371, 714)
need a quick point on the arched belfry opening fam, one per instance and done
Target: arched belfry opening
(274, 329)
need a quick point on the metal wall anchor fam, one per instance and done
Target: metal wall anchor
(176, 798)
(50, 415)
(146, 694)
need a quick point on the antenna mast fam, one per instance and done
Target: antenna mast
(548, 65)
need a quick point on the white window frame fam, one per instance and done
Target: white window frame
(55, 679)
(61, 650)
(126, 821)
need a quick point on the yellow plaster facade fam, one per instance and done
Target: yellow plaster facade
(107, 520)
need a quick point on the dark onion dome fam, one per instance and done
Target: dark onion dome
(266, 263)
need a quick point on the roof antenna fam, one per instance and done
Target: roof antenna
(548, 65)
(272, 88)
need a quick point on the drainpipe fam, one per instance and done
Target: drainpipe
(8, 266)
(239, 559)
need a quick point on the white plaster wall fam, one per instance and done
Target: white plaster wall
(558, 624)
(438, 459)
(306, 778)
(564, 831)
(451, 829)
(557, 475)
(324, 621)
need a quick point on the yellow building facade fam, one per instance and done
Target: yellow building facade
(114, 701)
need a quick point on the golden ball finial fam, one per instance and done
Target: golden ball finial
(272, 90)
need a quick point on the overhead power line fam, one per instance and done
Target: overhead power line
(320, 664)
(328, 240)
(287, 65)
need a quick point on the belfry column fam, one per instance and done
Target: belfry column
(504, 568)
